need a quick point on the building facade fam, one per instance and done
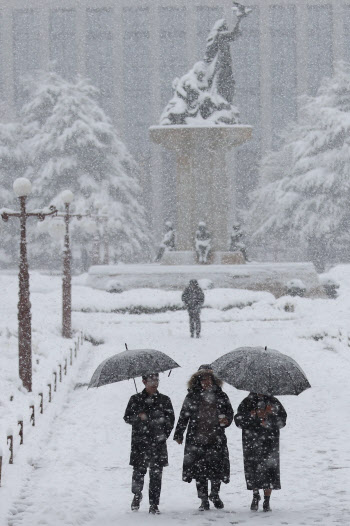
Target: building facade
(133, 49)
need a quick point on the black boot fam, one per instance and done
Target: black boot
(216, 501)
(255, 502)
(154, 509)
(204, 505)
(266, 504)
(135, 505)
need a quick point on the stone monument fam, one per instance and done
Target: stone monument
(201, 124)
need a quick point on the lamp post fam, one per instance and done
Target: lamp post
(22, 188)
(57, 229)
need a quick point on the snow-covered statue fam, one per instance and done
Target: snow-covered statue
(205, 93)
(237, 240)
(202, 243)
(168, 241)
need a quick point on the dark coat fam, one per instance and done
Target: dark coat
(204, 461)
(261, 442)
(148, 440)
(193, 297)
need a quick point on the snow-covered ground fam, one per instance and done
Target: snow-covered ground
(74, 469)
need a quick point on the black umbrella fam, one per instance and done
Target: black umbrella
(131, 364)
(261, 370)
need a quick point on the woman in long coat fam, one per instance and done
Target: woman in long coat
(261, 417)
(206, 412)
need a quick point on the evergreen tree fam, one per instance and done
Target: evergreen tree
(71, 144)
(11, 167)
(303, 199)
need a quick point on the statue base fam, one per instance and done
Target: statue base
(188, 257)
(204, 184)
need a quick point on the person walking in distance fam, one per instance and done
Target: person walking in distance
(193, 298)
(152, 418)
(205, 413)
(261, 417)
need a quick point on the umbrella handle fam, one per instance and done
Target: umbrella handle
(135, 385)
(169, 373)
(126, 347)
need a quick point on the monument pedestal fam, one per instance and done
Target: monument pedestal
(188, 257)
(203, 185)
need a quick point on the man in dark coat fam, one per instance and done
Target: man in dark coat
(206, 412)
(193, 298)
(261, 417)
(152, 418)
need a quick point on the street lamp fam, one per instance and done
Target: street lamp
(22, 188)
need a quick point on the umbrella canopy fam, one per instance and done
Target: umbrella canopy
(261, 370)
(131, 364)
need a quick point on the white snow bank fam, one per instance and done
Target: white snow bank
(156, 300)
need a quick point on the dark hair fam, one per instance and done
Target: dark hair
(195, 380)
(146, 376)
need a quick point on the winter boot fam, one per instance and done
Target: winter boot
(135, 505)
(216, 501)
(266, 504)
(154, 510)
(204, 505)
(255, 502)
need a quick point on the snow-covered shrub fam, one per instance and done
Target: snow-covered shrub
(295, 287)
(330, 286)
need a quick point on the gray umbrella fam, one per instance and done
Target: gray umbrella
(131, 364)
(260, 370)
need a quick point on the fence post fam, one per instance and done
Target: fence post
(65, 367)
(50, 392)
(20, 432)
(32, 416)
(0, 465)
(41, 402)
(75, 349)
(71, 356)
(10, 439)
(55, 382)
(60, 373)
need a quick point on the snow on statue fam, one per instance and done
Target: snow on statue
(205, 93)
(168, 241)
(202, 243)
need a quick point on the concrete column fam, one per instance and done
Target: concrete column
(302, 81)
(44, 14)
(118, 46)
(338, 31)
(203, 189)
(265, 76)
(81, 39)
(7, 105)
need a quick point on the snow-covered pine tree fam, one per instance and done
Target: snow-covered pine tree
(11, 167)
(70, 143)
(303, 198)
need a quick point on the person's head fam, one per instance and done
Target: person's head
(168, 225)
(202, 225)
(204, 379)
(193, 283)
(151, 382)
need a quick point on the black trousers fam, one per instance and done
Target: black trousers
(195, 321)
(155, 483)
(202, 488)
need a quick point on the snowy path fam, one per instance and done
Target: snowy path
(82, 477)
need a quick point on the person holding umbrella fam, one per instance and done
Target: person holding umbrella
(152, 418)
(261, 417)
(265, 373)
(150, 414)
(206, 412)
